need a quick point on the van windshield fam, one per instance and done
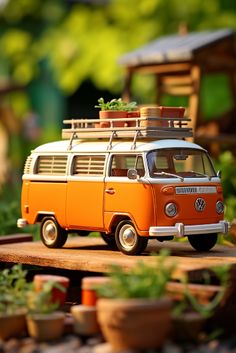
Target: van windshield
(180, 163)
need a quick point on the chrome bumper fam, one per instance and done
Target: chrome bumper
(180, 230)
(21, 223)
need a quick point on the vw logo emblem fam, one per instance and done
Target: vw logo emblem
(200, 204)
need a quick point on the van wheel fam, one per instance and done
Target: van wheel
(127, 239)
(109, 240)
(51, 233)
(203, 242)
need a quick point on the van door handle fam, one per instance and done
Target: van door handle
(110, 191)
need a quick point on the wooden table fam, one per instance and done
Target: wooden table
(93, 255)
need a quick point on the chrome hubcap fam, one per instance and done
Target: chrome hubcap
(127, 236)
(49, 232)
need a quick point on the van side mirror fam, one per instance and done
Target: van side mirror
(219, 173)
(132, 174)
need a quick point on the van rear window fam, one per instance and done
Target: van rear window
(48, 165)
(88, 165)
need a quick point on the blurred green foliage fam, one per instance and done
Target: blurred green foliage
(83, 41)
(227, 165)
(10, 212)
(53, 46)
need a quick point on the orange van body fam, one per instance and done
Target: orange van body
(116, 192)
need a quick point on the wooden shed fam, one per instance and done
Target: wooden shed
(179, 63)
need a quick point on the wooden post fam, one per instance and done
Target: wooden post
(232, 83)
(194, 99)
(126, 95)
(158, 89)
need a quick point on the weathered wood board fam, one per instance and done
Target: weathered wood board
(92, 254)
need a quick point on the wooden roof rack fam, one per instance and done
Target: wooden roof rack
(129, 128)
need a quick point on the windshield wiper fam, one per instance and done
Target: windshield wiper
(201, 174)
(169, 174)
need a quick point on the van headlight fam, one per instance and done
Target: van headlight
(171, 209)
(219, 207)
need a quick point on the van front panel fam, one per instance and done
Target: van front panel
(132, 198)
(186, 197)
(126, 197)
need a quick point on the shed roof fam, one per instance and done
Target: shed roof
(175, 48)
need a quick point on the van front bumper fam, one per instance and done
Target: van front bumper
(180, 230)
(21, 223)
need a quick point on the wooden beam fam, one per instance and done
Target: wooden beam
(177, 90)
(161, 68)
(229, 139)
(15, 238)
(176, 80)
(93, 255)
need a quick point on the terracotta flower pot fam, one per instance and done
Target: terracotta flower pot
(134, 323)
(134, 114)
(46, 327)
(112, 114)
(89, 285)
(57, 295)
(187, 326)
(150, 113)
(85, 320)
(12, 325)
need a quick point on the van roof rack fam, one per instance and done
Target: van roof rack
(129, 128)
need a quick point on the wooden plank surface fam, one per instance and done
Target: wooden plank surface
(91, 254)
(15, 238)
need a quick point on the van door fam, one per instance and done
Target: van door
(123, 196)
(85, 192)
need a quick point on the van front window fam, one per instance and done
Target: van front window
(180, 162)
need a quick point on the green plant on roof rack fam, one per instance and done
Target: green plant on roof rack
(116, 104)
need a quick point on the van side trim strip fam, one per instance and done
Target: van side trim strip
(49, 181)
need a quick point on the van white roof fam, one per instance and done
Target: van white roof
(117, 146)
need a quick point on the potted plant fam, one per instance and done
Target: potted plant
(44, 321)
(133, 309)
(13, 289)
(190, 315)
(59, 292)
(114, 109)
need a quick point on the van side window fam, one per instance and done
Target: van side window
(51, 165)
(122, 163)
(88, 165)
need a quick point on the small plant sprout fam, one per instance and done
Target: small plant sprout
(116, 104)
(13, 289)
(40, 302)
(141, 281)
(206, 310)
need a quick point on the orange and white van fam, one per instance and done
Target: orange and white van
(128, 189)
